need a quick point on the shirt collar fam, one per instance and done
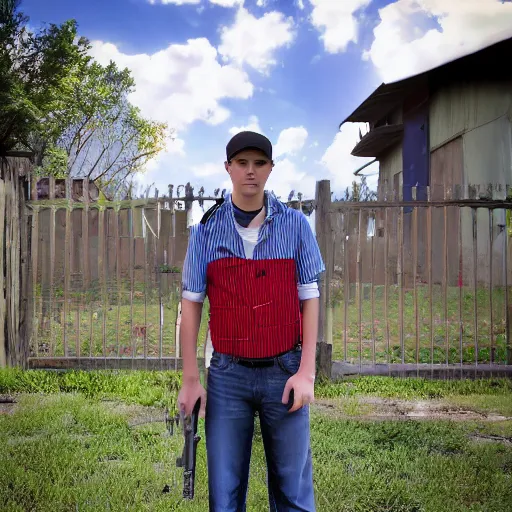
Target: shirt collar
(272, 205)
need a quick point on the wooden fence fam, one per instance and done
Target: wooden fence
(106, 277)
(418, 286)
(15, 323)
(409, 287)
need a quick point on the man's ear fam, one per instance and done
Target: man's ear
(226, 166)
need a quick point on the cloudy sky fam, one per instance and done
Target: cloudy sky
(291, 69)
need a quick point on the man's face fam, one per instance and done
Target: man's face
(249, 171)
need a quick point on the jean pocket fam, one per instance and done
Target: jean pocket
(290, 362)
(220, 361)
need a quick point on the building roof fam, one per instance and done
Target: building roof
(378, 140)
(489, 63)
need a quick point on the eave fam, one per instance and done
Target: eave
(378, 140)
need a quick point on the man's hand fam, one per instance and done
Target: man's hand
(303, 388)
(190, 391)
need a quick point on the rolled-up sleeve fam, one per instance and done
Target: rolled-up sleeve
(194, 267)
(309, 261)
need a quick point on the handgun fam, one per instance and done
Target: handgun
(187, 461)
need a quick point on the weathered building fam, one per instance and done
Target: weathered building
(447, 134)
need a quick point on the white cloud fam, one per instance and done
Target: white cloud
(261, 3)
(337, 22)
(253, 126)
(404, 45)
(227, 3)
(208, 169)
(291, 141)
(300, 4)
(341, 164)
(285, 177)
(180, 84)
(253, 41)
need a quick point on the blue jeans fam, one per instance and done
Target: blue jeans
(234, 394)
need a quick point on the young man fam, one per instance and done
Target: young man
(258, 261)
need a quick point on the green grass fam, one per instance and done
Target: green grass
(147, 388)
(371, 330)
(447, 334)
(65, 448)
(410, 388)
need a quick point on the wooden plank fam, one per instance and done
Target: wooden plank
(324, 236)
(339, 369)
(3, 347)
(491, 287)
(85, 302)
(359, 294)
(461, 285)
(109, 363)
(508, 305)
(102, 264)
(132, 273)
(438, 371)
(161, 259)
(67, 274)
(77, 258)
(7, 264)
(346, 279)
(14, 350)
(341, 206)
(34, 255)
(337, 206)
(118, 277)
(372, 287)
(414, 279)
(387, 234)
(475, 281)
(400, 275)
(430, 280)
(52, 277)
(147, 283)
(25, 303)
(445, 285)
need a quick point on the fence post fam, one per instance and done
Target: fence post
(325, 242)
(3, 340)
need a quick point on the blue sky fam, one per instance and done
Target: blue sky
(292, 69)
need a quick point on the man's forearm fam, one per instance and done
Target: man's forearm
(189, 329)
(310, 312)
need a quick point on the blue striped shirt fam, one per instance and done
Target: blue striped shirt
(285, 233)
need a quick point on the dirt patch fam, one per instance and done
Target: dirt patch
(136, 414)
(487, 438)
(7, 404)
(376, 408)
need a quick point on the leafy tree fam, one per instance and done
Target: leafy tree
(32, 68)
(73, 113)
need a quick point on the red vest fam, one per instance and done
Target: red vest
(254, 306)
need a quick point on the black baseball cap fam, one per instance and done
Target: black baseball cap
(248, 140)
